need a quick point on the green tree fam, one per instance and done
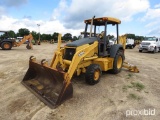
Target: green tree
(55, 36)
(139, 38)
(46, 36)
(132, 36)
(43, 37)
(22, 32)
(35, 35)
(12, 34)
(67, 36)
(74, 38)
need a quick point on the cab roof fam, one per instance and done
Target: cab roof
(102, 20)
(4, 31)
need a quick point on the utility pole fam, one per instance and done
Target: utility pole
(39, 31)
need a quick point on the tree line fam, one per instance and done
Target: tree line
(23, 31)
(133, 36)
(68, 36)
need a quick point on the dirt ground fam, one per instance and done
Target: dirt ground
(114, 98)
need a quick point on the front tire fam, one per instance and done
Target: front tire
(93, 73)
(28, 47)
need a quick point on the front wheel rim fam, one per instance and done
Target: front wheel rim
(96, 75)
(6, 46)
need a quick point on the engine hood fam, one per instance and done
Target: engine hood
(82, 41)
(147, 42)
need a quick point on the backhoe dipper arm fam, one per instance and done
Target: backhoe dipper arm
(27, 37)
(131, 67)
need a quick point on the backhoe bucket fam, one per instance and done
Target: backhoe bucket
(130, 67)
(47, 84)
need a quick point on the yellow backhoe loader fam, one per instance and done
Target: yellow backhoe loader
(90, 55)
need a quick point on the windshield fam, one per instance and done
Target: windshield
(150, 38)
(95, 30)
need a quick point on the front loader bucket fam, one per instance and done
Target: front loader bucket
(47, 84)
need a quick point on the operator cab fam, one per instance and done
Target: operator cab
(98, 28)
(4, 35)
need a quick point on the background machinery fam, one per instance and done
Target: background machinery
(27, 38)
(130, 43)
(150, 44)
(6, 42)
(90, 55)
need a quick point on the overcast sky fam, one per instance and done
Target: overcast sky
(141, 17)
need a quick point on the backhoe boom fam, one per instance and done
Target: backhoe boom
(25, 38)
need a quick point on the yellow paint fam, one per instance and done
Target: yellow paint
(119, 62)
(105, 63)
(96, 75)
(109, 19)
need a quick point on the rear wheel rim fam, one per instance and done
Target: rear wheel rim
(6, 46)
(96, 75)
(119, 62)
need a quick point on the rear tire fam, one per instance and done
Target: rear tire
(6, 46)
(154, 50)
(117, 63)
(131, 47)
(140, 50)
(93, 73)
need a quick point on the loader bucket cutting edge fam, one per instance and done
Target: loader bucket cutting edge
(47, 84)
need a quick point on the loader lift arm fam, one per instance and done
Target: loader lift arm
(78, 57)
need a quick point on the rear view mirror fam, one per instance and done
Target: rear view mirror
(156, 39)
